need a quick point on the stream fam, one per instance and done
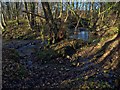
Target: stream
(82, 33)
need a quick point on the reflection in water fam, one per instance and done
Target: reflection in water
(84, 35)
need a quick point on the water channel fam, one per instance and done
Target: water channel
(81, 34)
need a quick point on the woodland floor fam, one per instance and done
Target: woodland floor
(57, 72)
(94, 66)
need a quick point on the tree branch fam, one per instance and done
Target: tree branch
(33, 14)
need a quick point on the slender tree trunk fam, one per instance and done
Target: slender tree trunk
(91, 10)
(61, 9)
(32, 16)
(17, 12)
(28, 15)
(77, 4)
(1, 27)
(56, 10)
(8, 11)
(68, 5)
(3, 23)
(73, 4)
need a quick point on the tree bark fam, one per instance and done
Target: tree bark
(32, 16)
(3, 23)
(8, 11)
(28, 15)
(61, 9)
(17, 12)
(50, 21)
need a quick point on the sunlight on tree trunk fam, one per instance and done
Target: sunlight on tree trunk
(61, 9)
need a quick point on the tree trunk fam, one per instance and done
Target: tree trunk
(50, 21)
(8, 11)
(3, 23)
(1, 27)
(61, 9)
(68, 5)
(77, 5)
(28, 15)
(17, 12)
(32, 23)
